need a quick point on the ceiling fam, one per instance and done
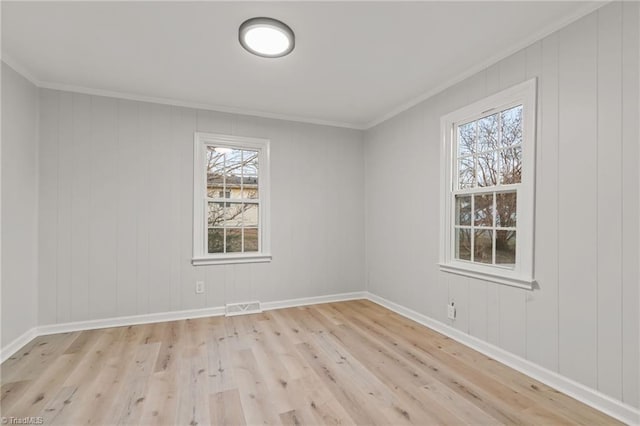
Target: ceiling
(354, 62)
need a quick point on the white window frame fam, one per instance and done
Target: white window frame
(522, 274)
(200, 199)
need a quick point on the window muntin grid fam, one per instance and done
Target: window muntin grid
(232, 200)
(488, 174)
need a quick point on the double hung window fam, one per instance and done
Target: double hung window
(487, 206)
(231, 195)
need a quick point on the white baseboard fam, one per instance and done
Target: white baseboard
(304, 301)
(617, 409)
(598, 400)
(68, 327)
(13, 347)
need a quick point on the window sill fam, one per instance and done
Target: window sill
(520, 282)
(231, 259)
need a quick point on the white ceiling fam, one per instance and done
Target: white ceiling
(354, 62)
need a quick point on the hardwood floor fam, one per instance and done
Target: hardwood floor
(338, 363)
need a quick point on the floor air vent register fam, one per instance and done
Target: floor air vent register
(232, 309)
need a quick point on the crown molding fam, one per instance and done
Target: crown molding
(194, 105)
(548, 30)
(22, 70)
(17, 67)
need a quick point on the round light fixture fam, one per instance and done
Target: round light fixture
(266, 37)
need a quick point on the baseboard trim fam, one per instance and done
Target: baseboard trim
(595, 399)
(617, 409)
(17, 344)
(305, 301)
(68, 327)
(43, 330)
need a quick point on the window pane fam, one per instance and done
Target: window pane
(463, 210)
(234, 240)
(488, 133)
(483, 210)
(506, 247)
(233, 191)
(215, 216)
(250, 215)
(215, 190)
(233, 215)
(466, 139)
(466, 175)
(250, 161)
(483, 250)
(250, 174)
(463, 244)
(487, 169)
(511, 126)
(215, 172)
(233, 173)
(250, 192)
(232, 194)
(506, 209)
(250, 239)
(511, 165)
(215, 241)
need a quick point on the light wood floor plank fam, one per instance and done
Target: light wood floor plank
(12, 392)
(471, 384)
(35, 356)
(356, 353)
(226, 408)
(419, 389)
(338, 363)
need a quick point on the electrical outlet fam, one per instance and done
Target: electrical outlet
(199, 287)
(451, 311)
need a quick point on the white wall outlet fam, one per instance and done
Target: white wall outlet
(451, 311)
(199, 287)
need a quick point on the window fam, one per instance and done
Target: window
(488, 176)
(231, 198)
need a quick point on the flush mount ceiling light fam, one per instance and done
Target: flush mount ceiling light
(266, 37)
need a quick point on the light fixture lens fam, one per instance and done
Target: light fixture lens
(267, 40)
(266, 37)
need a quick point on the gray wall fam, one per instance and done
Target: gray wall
(583, 320)
(105, 216)
(19, 205)
(116, 186)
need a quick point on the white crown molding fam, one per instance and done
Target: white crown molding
(550, 29)
(581, 12)
(22, 70)
(194, 105)
(17, 67)
(617, 409)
